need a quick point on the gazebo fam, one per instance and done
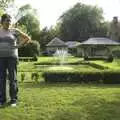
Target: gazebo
(97, 47)
(73, 47)
(55, 44)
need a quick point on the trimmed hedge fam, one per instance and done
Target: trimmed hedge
(111, 77)
(107, 77)
(108, 58)
(75, 63)
(27, 59)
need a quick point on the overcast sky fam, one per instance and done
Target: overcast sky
(50, 10)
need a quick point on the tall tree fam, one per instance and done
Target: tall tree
(46, 35)
(29, 18)
(4, 3)
(81, 22)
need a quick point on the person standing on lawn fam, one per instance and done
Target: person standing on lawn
(9, 57)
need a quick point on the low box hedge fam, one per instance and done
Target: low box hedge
(106, 76)
(26, 59)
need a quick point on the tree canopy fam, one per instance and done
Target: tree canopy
(4, 3)
(81, 22)
(29, 19)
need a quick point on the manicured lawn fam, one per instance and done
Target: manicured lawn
(65, 102)
(112, 65)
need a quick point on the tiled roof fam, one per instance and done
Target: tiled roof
(100, 40)
(56, 42)
(72, 44)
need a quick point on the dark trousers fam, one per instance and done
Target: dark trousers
(10, 65)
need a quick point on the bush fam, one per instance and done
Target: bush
(111, 77)
(28, 59)
(116, 53)
(72, 76)
(22, 77)
(110, 58)
(35, 76)
(106, 76)
(35, 58)
(30, 50)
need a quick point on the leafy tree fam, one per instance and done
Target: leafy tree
(46, 35)
(81, 22)
(22, 28)
(4, 3)
(32, 49)
(28, 17)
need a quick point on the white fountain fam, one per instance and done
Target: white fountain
(61, 56)
(13, 11)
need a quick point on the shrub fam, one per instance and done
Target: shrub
(110, 58)
(35, 76)
(28, 59)
(111, 77)
(107, 76)
(85, 77)
(116, 53)
(22, 77)
(30, 50)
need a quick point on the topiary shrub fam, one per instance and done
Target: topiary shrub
(66, 76)
(22, 77)
(106, 76)
(35, 76)
(110, 58)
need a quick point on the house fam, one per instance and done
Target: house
(72, 47)
(97, 47)
(55, 44)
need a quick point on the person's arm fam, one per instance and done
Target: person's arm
(24, 38)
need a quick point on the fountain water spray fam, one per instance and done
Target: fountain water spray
(61, 55)
(15, 13)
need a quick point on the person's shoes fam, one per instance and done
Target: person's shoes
(13, 103)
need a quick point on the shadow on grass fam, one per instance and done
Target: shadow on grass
(42, 84)
(92, 109)
(5, 105)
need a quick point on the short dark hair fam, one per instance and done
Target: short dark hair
(4, 16)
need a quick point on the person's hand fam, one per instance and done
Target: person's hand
(21, 44)
(29, 41)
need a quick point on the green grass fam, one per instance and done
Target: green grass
(65, 102)
(29, 67)
(112, 65)
(26, 66)
(45, 60)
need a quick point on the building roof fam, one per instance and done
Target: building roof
(56, 42)
(100, 41)
(72, 44)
